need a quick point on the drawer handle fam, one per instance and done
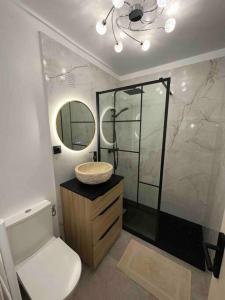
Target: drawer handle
(110, 227)
(111, 204)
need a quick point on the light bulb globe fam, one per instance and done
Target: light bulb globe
(170, 25)
(162, 3)
(118, 47)
(101, 27)
(118, 3)
(145, 45)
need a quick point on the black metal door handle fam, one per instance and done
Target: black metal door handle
(215, 266)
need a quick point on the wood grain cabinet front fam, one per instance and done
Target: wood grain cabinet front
(91, 227)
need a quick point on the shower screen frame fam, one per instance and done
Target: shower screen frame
(166, 83)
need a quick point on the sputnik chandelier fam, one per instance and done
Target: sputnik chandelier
(129, 19)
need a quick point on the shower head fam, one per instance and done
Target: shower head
(114, 115)
(134, 91)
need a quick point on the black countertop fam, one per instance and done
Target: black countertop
(91, 191)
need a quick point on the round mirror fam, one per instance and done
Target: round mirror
(75, 125)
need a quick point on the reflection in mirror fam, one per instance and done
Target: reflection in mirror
(107, 126)
(75, 125)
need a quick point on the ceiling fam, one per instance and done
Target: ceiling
(200, 28)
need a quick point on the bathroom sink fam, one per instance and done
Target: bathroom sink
(94, 172)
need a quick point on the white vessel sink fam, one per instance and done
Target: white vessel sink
(94, 172)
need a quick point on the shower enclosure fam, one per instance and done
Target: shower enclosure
(132, 136)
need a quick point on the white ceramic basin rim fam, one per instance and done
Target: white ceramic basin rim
(94, 172)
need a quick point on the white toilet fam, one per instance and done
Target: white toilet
(47, 268)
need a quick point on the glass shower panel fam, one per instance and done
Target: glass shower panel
(131, 102)
(107, 134)
(128, 135)
(128, 167)
(119, 115)
(106, 104)
(152, 125)
(106, 156)
(148, 195)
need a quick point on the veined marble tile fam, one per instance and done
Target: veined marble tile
(193, 163)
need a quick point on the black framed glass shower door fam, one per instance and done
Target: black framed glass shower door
(132, 132)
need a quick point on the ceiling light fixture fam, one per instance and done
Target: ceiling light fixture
(129, 20)
(101, 27)
(145, 45)
(170, 25)
(118, 47)
(118, 3)
(162, 3)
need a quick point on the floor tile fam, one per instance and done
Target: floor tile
(107, 282)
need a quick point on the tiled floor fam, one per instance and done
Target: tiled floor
(108, 283)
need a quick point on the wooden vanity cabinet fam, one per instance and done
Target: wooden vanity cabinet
(92, 226)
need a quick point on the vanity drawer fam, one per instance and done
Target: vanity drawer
(106, 218)
(106, 241)
(98, 205)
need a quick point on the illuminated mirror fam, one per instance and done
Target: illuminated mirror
(75, 125)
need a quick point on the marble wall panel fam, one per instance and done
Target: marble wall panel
(194, 139)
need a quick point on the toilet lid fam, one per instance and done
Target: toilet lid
(51, 273)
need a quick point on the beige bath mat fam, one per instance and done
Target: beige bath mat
(159, 275)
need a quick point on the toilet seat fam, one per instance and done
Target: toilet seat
(51, 273)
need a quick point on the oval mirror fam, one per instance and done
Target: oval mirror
(75, 125)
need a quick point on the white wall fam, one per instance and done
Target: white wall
(26, 164)
(26, 168)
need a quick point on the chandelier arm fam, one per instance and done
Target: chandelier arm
(130, 36)
(145, 22)
(129, 25)
(142, 30)
(123, 16)
(148, 22)
(111, 9)
(133, 38)
(151, 10)
(121, 27)
(126, 2)
(113, 27)
(138, 30)
(160, 12)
